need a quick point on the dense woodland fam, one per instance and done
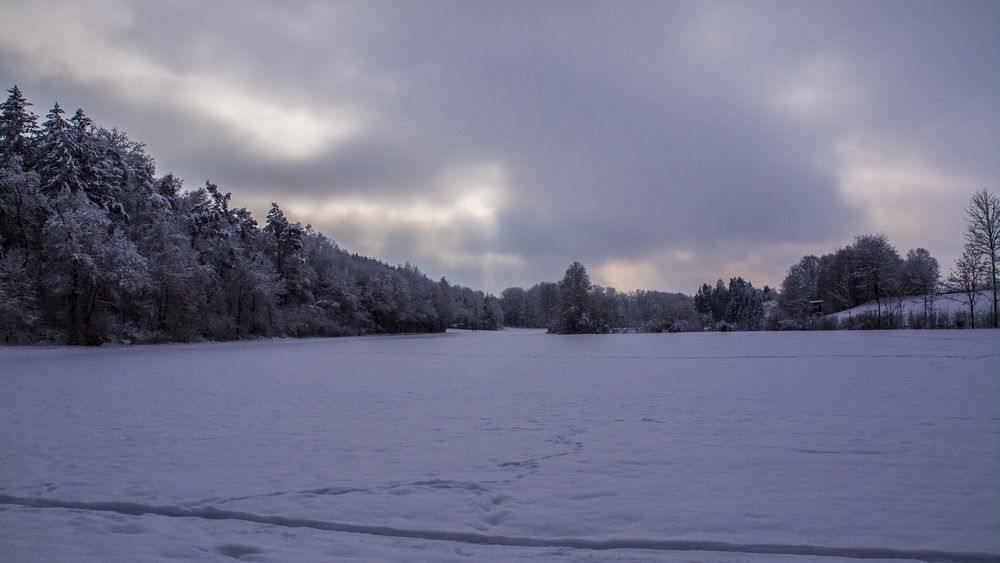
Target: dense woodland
(96, 247)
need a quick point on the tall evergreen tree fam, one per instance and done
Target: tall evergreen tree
(57, 164)
(18, 127)
(720, 300)
(744, 308)
(703, 300)
(574, 302)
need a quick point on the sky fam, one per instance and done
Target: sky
(662, 144)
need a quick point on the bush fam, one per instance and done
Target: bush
(684, 326)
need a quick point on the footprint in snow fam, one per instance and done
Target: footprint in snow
(238, 551)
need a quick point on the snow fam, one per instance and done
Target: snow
(514, 445)
(946, 304)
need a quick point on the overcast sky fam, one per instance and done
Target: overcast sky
(663, 144)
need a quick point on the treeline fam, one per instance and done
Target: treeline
(740, 306)
(871, 270)
(95, 247)
(576, 306)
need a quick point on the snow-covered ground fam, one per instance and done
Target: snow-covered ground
(506, 446)
(946, 304)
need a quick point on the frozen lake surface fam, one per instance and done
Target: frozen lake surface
(506, 446)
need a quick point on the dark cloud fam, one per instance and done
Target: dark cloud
(677, 138)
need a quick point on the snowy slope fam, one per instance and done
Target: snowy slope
(946, 304)
(514, 445)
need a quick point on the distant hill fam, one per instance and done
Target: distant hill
(945, 307)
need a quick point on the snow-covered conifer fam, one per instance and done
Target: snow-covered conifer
(18, 126)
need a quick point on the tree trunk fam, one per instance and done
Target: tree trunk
(74, 333)
(993, 272)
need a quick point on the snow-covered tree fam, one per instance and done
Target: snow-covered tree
(23, 207)
(95, 246)
(90, 267)
(254, 289)
(18, 297)
(57, 154)
(703, 300)
(18, 127)
(543, 298)
(287, 241)
(205, 213)
(720, 300)
(744, 309)
(573, 308)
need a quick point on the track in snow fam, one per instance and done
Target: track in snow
(209, 513)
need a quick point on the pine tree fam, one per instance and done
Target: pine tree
(287, 243)
(744, 309)
(287, 237)
(574, 302)
(720, 300)
(18, 126)
(703, 299)
(442, 303)
(57, 156)
(205, 213)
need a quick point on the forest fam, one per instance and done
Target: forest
(96, 247)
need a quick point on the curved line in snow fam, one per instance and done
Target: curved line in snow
(209, 513)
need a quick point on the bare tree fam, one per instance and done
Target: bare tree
(967, 278)
(983, 236)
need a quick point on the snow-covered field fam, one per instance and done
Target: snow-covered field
(506, 446)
